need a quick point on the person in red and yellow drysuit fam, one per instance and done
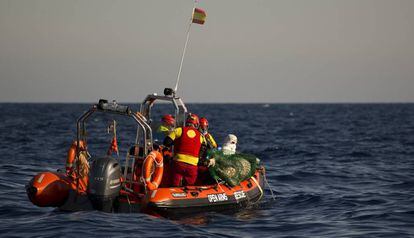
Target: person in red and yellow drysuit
(187, 142)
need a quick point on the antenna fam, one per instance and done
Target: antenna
(185, 47)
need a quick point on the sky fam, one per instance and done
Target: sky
(248, 51)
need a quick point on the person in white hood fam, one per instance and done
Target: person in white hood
(230, 144)
(228, 148)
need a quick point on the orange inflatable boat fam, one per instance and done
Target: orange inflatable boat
(133, 184)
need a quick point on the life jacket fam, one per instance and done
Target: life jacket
(80, 179)
(70, 159)
(189, 143)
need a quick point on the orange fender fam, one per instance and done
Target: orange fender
(48, 189)
(70, 159)
(153, 179)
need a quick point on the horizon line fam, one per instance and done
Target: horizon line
(299, 102)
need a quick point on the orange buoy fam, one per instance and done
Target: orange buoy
(48, 189)
(153, 176)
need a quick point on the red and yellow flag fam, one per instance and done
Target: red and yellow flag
(113, 147)
(199, 16)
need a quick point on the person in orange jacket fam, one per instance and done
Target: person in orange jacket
(187, 142)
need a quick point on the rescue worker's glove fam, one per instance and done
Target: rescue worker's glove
(211, 162)
(168, 142)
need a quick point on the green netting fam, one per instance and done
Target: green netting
(233, 168)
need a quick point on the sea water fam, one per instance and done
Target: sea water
(338, 170)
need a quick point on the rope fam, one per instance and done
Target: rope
(83, 164)
(260, 189)
(129, 204)
(270, 188)
(143, 182)
(218, 185)
(142, 175)
(77, 173)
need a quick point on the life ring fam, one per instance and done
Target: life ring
(153, 179)
(70, 159)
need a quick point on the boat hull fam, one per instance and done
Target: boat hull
(166, 202)
(172, 202)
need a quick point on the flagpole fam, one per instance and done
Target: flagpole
(185, 48)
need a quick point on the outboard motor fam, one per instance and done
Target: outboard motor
(104, 183)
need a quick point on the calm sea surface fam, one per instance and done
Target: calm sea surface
(338, 170)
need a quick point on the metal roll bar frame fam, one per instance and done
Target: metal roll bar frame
(144, 132)
(113, 108)
(180, 108)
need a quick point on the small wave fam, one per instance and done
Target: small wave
(286, 178)
(272, 148)
(304, 200)
(359, 154)
(402, 185)
(10, 185)
(369, 215)
(307, 175)
(371, 201)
